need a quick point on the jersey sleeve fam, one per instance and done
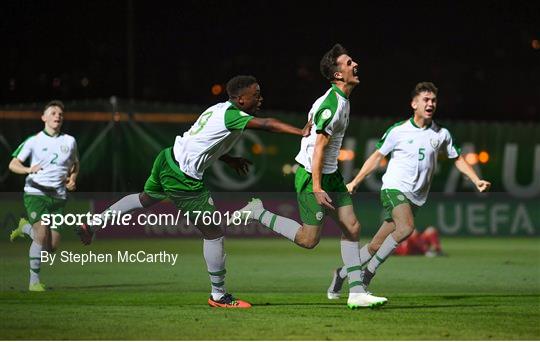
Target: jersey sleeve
(388, 141)
(324, 120)
(235, 119)
(452, 150)
(24, 150)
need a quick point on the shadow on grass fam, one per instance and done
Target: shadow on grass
(441, 299)
(110, 286)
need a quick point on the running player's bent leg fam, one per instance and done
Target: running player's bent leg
(404, 220)
(386, 228)
(308, 236)
(304, 235)
(404, 223)
(369, 249)
(130, 203)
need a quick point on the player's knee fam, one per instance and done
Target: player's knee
(353, 231)
(146, 200)
(403, 231)
(211, 233)
(407, 231)
(308, 242)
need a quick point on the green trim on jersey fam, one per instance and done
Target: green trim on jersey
(52, 136)
(235, 119)
(381, 141)
(18, 150)
(415, 125)
(326, 111)
(454, 144)
(339, 91)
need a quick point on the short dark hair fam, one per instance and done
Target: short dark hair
(239, 83)
(53, 103)
(329, 61)
(424, 86)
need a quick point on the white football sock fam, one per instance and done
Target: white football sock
(281, 225)
(387, 248)
(27, 229)
(123, 206)
(35, 262)
(364, 258)
(351, 259)
(214, 255)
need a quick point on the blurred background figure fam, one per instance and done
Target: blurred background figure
(421, 243)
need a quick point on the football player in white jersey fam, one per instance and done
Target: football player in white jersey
(178, 171)
(54, 166)
(414, 145)
(319, 185)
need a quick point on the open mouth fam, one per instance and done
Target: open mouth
(429, 110)
(355, 72)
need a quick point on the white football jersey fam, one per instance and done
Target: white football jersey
(413, 157)
(330, 114)
(213, 134)
(56, 155)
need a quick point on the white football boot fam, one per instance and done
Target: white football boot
(364, 300)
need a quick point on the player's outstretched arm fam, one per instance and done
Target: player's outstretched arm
(369, 166)
(467, 170)
(16, 166)
(277, 126)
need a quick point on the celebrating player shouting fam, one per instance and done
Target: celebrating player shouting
(414, 145)
(318, 178)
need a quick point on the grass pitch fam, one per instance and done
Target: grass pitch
(487, 288)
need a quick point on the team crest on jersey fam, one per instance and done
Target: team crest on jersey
(64, 149)
(210, 201)
(319, 215)
(434, 143)
(326, 114)
(33, 214)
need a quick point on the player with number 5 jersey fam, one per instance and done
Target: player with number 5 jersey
(413, 146)
(177, 173)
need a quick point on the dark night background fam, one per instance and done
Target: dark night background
(482, 56)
